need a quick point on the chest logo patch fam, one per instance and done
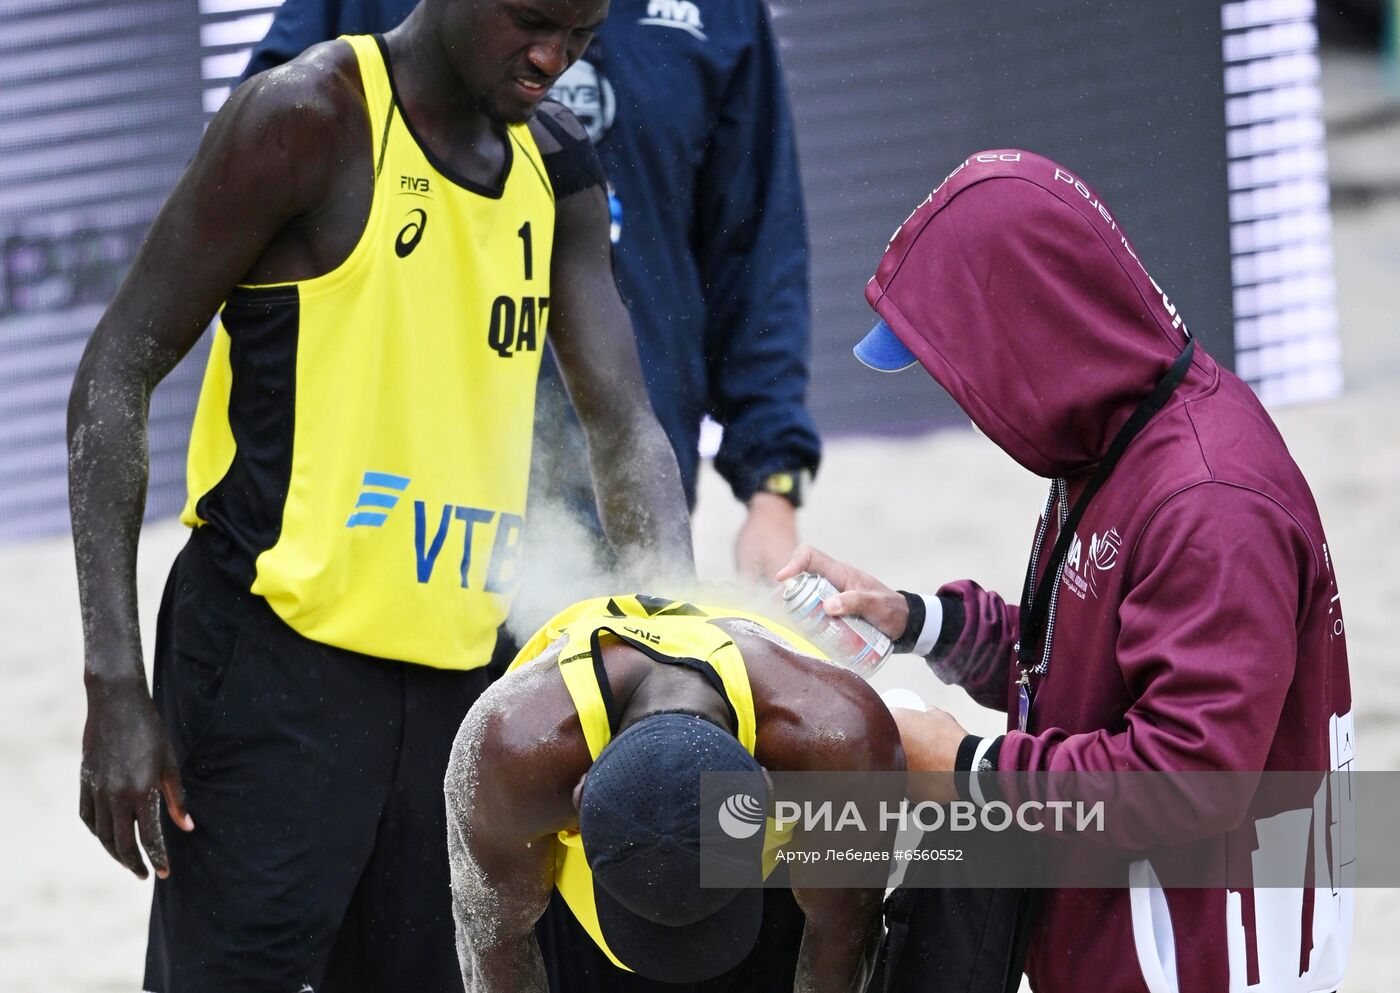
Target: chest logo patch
(411, 233)
(586, 91)
(1083, 569)
(682, 14)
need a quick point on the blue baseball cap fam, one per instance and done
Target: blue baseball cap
(882, 351)
(640, 819)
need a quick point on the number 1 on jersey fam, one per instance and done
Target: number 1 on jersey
(528, 246)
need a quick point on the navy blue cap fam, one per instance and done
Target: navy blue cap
(641, 823)
(882, 351)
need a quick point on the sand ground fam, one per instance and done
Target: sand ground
(915, 512)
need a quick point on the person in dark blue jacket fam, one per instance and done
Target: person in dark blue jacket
(685, 102)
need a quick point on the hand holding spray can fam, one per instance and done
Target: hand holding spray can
(851, 642)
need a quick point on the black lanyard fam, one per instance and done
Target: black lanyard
(1036, 598)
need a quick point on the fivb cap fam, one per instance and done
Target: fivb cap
(640, 819)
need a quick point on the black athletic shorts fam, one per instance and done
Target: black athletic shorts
(314, 776)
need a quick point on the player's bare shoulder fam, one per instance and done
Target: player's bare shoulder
(319, 87)
(521, 744)
(290, 154)
(295, 125)
(812, 714)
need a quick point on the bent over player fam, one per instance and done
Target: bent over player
(393, 235)
(579, 772)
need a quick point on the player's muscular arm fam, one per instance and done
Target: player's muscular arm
(852, 733)
(842, 933)
(840, 938)
(634, 468)
(814, 717)
(261, 164)
(502, 861)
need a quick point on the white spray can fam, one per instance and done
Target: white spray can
(851, 642)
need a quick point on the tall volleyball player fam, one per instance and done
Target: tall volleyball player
(393, 234)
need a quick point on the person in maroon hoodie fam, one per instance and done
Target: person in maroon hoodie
(1180, 611)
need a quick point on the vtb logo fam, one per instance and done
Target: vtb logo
(429, 536)
(411, 233)
(380, 493)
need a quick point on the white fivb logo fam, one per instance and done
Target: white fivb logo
(741, 816)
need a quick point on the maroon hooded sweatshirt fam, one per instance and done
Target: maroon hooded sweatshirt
(1198, 625)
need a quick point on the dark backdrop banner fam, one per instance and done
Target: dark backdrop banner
(891, 96)
(1199, 124)
(99, 111)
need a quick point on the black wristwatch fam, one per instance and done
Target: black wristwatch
(790, 484)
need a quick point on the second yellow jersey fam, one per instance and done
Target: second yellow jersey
(361, 447)
(662, 629)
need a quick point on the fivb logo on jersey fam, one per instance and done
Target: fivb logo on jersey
(379, 496)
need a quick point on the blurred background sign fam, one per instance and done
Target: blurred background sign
(99, 111)
(1199, 124)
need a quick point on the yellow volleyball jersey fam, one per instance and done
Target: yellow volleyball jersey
(662, 629)
(361, 447)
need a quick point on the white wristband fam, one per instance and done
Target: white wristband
(933, 625)
(973, 790)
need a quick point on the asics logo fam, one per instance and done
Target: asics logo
(411, 233)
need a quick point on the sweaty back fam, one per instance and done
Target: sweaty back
(362, 442)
